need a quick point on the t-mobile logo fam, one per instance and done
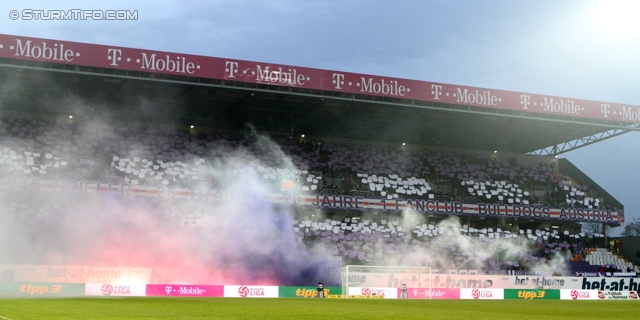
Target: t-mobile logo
(114, 55)
(338, 80)
(231, 68)
(525, 101)
(436, 91)
(168, 289)
(605, 109)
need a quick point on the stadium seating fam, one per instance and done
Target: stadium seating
(603, 257)
(157, 155)
(449, 246)
(58, 148)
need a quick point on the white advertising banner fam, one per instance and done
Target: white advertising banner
(115, 290)
(388, 293)
(73, 274)
(364, 279)
(125, 275)
(250, 291)
(482, 294)
(618, 295)
(576, 294)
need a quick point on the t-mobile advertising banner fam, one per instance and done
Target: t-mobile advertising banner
(250, 291)
(180, 290)
(435, 293)
(121, 58)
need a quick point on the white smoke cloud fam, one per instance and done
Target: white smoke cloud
(243, 232)
(454, 247)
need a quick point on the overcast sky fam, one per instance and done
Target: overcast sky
(579, 49)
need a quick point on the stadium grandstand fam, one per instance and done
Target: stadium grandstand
(375, 171)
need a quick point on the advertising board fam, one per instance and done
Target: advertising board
(482, 294)
(618, 295)
(130, 275)
(115, 290)
(41, 289)
(528, 294)
(181, 290)
(435, 293)
(251, 291)
(576, 294)
(141, 60)
(306, 292)
(387, 293)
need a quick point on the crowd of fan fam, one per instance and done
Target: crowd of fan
(445, 246)
(158, 155)
(380, 240)
(35, 148)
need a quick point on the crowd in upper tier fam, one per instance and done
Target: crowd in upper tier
(160, 155)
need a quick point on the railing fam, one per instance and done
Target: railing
(330, 191)
(441, 186)
(471, 200)
(539, 192)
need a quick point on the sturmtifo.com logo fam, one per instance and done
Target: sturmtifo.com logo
(73, 14)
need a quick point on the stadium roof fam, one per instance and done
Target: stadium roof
(224, 93)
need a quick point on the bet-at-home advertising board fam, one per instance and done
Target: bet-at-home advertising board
(394, 280)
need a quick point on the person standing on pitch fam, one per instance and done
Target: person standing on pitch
(320, 289)
(403, 292)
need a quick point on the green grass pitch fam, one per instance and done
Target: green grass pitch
(236, 308)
